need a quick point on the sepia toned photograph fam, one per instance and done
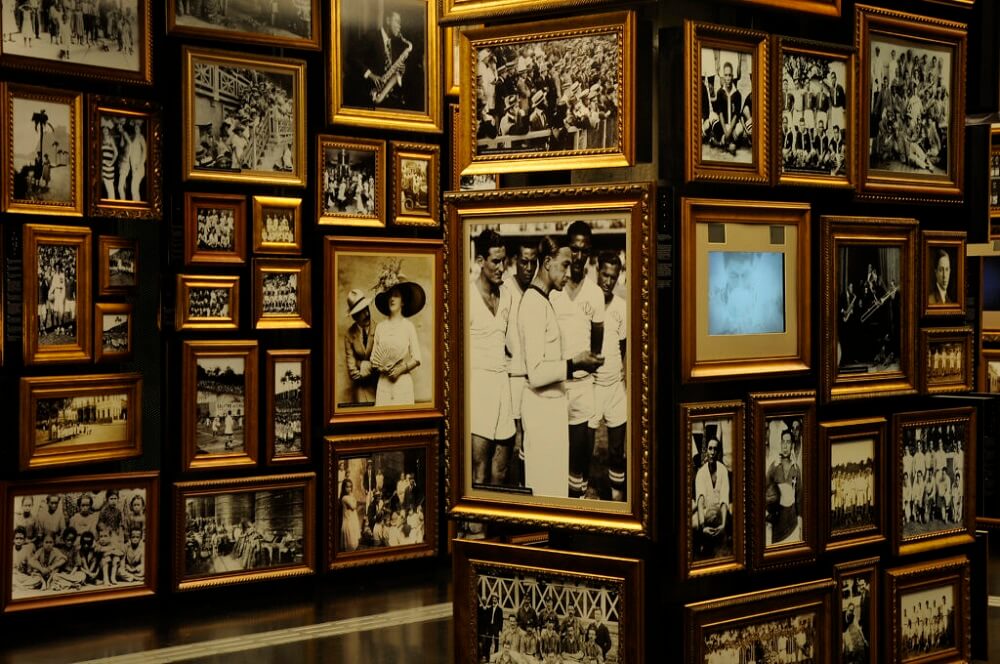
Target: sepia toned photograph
(291, 23)
(790, 639)
(928, 612)
(207, 302)
(989, 370)
(852, 454)
(352, 174)
(946, 356)
(785, 482)
(282, 293)
(943, 264)
(112, 332)
(416, 179)
(277, 225)
(289, 392)
(928, 621)
(125, 178)
(214, 229)
(857, 589)
(118, 265)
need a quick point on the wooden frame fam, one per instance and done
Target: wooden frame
(127, 200)
(838, 58)
(340, 450)
(329, 146)
(707, 624)
(724, 167)
(464, 11)
(272, 35)
(772, 347)
(23, 173)
(962, 531)
(987, 382)
(852, 432)
(200, 155)
(234, 204)
(923, 578)
(229, 319)
(861, 576)
(80, 346)
(943, 379)
(272, 546)
(701, 416)
(100, 61)
(101, 413)
(989, 299)
(844, 240)
(821, 7)
(907, 31)
(459, 182)
(993, 177)
(618, 30)
(371, 264)
(218, 352)
(932, 244)
(410, 214)
(274, 361)
(105, 280)
(620, 218)
(582, 581)
(102, 309)
(131, 485)
(263, 208)
(347, 106)
(299, 268)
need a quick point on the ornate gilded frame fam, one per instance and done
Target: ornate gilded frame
(183, 320)
(456, 171)
(102, 309)
(377, 220)
(313, 42)
(465, 11)
(431, 154)
(929, 242)
(237, 203)
(451, 52)
(271, 360)
(261, 204)
(929, 336)
(821, 7)
(987, 355)
(105, 243)
(868, 570)
(301, 268)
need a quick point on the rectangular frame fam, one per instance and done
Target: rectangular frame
(986, 382)
(377, 219)
(336, 448)
(102, 309)
(989, 319)
(183, 320)
(635, 204)
(793, 353)
(961, 335)
(271, 360)
(35, 388)
(869, 232)
(821, 7)
(237, 204)
(456, 172)
(867, 571)
(183, 490)
(301, 269)
(147, 481)
(952, 243)
(105, 243)
(262, 245)
(849, 430)
(431, 154)
(312, 41)
(451, 52)
(465, 11)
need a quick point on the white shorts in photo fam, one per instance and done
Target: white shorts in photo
(609, 405)
(580, 392)
(490, 409)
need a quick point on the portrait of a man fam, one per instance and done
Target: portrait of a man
(942, 288)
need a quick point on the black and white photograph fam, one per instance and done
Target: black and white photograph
(289, 403)
(44, 145)
(281, 293)
(946, 362)
(115, 333)
(221, 405)
(784, 488)
(57, 266)
(414, 194)
(927, 621)
(712, 459)
(480, 182)
(279, 226)
(941, 286)
(989, 371)
(124, 157)
(746, 292)
(208, 302)
(349, 181)
(856, 619)
(814, 115)
(852, 485)
(727, 106)
(794, 639)
(932, 484)
(216, 230)
(121, 267)
(869, 282)
(65, 422)
(284, 22)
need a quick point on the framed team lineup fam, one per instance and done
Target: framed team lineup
(207, 302)
(215, 229)
(281, 293)
(277, 225)
(947, 359)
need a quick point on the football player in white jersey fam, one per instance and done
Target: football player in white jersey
(610, 402)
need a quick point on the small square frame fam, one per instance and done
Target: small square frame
(986, 382)
(261, 205)
(183, 320)
(343, 143)
(105, 244)
(837, 431)
(931, 384)
(301, 269)
(235, 203)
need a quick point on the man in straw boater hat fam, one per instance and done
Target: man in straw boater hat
(358, 343)
(396, 349)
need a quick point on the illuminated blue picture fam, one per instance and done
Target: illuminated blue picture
(746, 292)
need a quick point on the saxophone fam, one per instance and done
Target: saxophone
(392, 76)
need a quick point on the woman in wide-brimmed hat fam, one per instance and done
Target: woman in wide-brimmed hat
(396, 349)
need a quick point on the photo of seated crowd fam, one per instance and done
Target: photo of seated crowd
(814, 115)
(928, 621)
(852, 485)
(243, 531)
(281, 293)
(551, 95)
(279, 18)
(933, 478)
(727, 109)
(57, 272)
(288, 402)
(78, 542)
(221, 383)
(208, 302)
(544, 620)
(216, 229)
(711, 500)
(278, 227)
(348, 179)
(791, 640)
(382, 500)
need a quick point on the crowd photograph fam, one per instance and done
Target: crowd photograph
(124, 156)
(814, 130)
(547, 314)
(791, 640)
(281, 293)
(208, 302)
(288, 406)
(414, 182)
(121, 266)
(348, 181)
(945, 363)
(852, 485)
(933, 484)
(784, 487)
(57, 274)
(541, 619)
(727, 107)
(279, 226)
(548, 95)
(927, 621)
(746, 292)
(41, 146)
(221, 385)
(275, 18)
(381, 500)
(216, 229)
(868, 318)
(855, 620)
(711, 506)
(77, 542)
(114, 333)
(83, 420)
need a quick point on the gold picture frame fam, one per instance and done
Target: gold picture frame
(34, 180)
(948, 370)
(935, 246)
(821, 7)
(408, 206)
(271, 308)
(291, 442)
(993, 177)
(858, 591)
(111, 342)
(117, 265)
(465, 11)
(619, 218)
(210, 97)
(284, 234)
(852, 367)
(215, 229)
(205, 363)
(263, 554)
(989, 378)
(106, 408)
(211, 313)
(452, 54)
(280, 25)
(339, 160)
(777, 343)
(715, 152)
(459, 182)
(64, 334)
(614, 36)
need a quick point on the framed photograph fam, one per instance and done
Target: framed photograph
(814, 126)
(464, 11)
(68, 420)
(384, 65)
(416, 183)
(43, 148)
(277, 225)
(108, 42)
(244, 530)
(928, 612)
(711, 465)
(989, 298)
(946, 360)
(288, 23)
(726, 79)
(782, 460)
(381, 502)
(281, 294)
(989, 370)
(80, 540)
(943, 262)
(459, 182)
(452, 51)
(857, 587)
(385, 348)
(935, 479)
(215, 229)
(289, 394)
(244, 118)
(117, 265)
(917, 154)
(125, 170)
(112, 332)
(868, 267)
(207, 302)
(219, 406)
(822, 7)
(536, 277)
(351, 190)
(852, 463)
(595, 603)
(794, 619)
(746, 296)
(57, 286)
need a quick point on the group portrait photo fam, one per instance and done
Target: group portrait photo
(351, 180)
(928, 622)
(57, 271)
(815, 134)
(853, 494)
(870, 302)
(792, 639)
(932, 478)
